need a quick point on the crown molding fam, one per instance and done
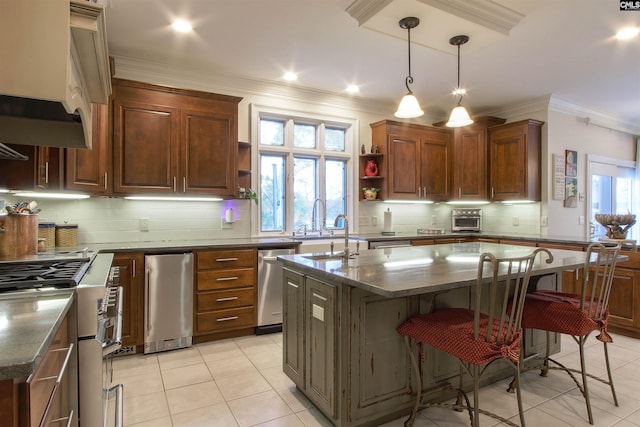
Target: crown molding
(190, 78)
(487, 13)
(363, 10)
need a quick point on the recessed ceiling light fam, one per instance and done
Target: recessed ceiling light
(627, 33)
(352, 89)
(290, 76)
(181, 26)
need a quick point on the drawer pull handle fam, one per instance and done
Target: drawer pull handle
(226, 259)
(292, 285)
(226, 299)
(222, 279)
(225, 319)
(58, 377)
(68, 419)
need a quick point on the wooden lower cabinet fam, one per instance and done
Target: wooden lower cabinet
(40, 399)
(132, 281)
(225, 293)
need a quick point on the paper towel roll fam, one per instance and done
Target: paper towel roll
(229, 216)
(388, 226)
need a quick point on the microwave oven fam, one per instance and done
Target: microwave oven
(466, 219)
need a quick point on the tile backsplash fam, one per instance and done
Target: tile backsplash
(108, 220)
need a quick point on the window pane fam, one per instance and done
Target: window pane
(304, 136)
(336, 187)
(304, 190)
(271, 132)
(272, 192)
(334, 139)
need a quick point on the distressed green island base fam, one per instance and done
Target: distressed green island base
(341, 348)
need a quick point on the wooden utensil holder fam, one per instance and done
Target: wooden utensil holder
(18, 235)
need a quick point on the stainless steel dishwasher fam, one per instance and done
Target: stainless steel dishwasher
(270, 290)
(168, 302)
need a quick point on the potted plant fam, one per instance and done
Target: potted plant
(249, 194)
(370, 193)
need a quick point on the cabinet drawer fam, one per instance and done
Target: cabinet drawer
(38, 389)
(223, 320)
(209, 280)
(221, 300)
(226, 259)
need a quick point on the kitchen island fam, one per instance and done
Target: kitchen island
(340, 317)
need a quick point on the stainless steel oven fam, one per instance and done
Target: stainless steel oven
(99, 337)
(466, 219)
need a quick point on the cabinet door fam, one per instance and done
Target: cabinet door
(41, 171)
(132, 281)
(86, 170)
(145, 147)
(514, 161)
(208, 153)
(625, 299)
(320, 303)
(404, 166)
(435, 160)
(469, 174)
(293, 326)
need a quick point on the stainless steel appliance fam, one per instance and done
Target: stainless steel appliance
(168, 310)
(99, 321)
(270, 290)
(466, 219)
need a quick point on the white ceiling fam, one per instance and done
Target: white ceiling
(560, 47)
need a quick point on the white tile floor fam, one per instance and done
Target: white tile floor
(239, 382)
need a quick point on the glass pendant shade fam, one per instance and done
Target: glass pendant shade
(459, 117)
(409, 107)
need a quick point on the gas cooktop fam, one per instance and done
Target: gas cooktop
(56, 271)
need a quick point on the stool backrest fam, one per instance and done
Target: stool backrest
(502, 299)
(599, 268)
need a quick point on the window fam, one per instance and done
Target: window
(610, 190)
(304, 169)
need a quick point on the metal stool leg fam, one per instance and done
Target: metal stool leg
(581, 341)
(416, 368)
(606, 359)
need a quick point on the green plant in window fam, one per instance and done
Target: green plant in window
(250, 194)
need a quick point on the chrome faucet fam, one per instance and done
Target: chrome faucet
(314, 219)
(346, 233)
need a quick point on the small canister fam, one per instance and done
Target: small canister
(66, 234)
(47, 231)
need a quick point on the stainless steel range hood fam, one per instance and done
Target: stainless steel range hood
(55, 68)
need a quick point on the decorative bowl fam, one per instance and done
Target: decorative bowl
(617, 225)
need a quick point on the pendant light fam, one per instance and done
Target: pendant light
(459, 116)
(409, 106)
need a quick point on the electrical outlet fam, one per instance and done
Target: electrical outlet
(225, 225)
(544, 221)
(374, 220)
(516, 221)
(434, 220)
(143, 224)
(364, 220)
(581, 220)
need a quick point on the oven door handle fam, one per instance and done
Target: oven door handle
(115, 343)
(119, 409)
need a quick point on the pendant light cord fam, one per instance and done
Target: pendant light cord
(409, 79)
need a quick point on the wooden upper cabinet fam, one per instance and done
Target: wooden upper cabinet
(208, 153)
(514, 161)
(88, 170)
(419, 161)
(42, 171)
(435, 164)
(174, 141)
(469, 171)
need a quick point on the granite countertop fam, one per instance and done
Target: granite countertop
(28, 321)
(404, 271)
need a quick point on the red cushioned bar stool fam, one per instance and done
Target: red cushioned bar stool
(478, 336)
(577, 315)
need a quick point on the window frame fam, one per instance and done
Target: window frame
(321, 121)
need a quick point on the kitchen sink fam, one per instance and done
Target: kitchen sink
(324, 257)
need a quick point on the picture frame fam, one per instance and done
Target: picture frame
(571, 163)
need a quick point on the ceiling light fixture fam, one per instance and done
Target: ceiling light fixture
(409, 106)
(182, 26)
(290, 76)
(627, 33)
(459, 116)
(352, 89)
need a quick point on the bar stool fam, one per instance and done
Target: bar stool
(577, 315)
(477, 336)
